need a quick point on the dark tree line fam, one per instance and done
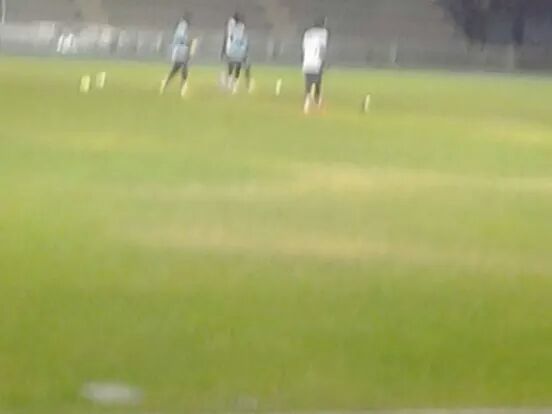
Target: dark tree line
(474, 17)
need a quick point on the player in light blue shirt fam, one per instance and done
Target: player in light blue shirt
(235, 51)
(181, 52)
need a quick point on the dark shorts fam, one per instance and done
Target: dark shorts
(313, 79)
(180, 67)
(235, 68)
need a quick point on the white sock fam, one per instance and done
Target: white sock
(306, 107)
(163, 86)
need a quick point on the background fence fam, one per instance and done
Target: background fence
(403, 33)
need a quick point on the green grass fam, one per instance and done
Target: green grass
(225, 248)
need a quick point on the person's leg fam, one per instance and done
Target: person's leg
(172, 73)
(184, 80)
(238, 70)
(308, 84)
(224, 74)
(318, 89)
(184, 73)
(248, 78)
(230, 78)
(248, 73)
(236, 79)
(308, 92)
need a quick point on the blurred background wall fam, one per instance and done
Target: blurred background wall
(504, 35)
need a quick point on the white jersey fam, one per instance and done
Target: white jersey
(315, 43)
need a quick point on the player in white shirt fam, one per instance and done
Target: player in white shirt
(315, 46)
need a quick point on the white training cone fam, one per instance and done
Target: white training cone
(184, 90)
(366, 103)
(278, 90)
(85, 84)
(251, 87)
(100, 80)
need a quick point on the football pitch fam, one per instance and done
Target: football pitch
(228, 253)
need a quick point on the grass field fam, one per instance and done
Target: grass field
(220, 252)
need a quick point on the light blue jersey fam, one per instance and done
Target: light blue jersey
(237, 43)
(181, 43)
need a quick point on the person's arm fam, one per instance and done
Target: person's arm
(193, 46)
(224, 41)
(303, 47)
(174, 33)
(325, 49)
